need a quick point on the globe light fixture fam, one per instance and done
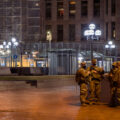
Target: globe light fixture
(92, 34)
(113, 46)
(110, 45)
(110, 42)
(86, 33)
(4, 43)
(13, 40)
(1, 46)
(9, 43)
(16, 44)
(98, 32)
(7, 46)
(106, 46)
(92, 26)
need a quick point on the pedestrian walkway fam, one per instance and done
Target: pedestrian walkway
(50, 103)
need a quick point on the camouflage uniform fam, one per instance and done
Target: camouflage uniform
(117, 82)
(82, 79)
(112, 75)
(95, 81)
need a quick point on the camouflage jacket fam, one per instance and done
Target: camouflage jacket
(82, 76)
(96, 73)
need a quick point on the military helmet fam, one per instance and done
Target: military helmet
(114, 64)
(94, 61)
(83, 64)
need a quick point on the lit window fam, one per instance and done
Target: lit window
(72, 9)
(60, 10)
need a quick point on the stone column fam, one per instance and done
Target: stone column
(53, 21)
(78, 20)
(54, 10)
(66, 19)
(117, 20)
(90, 10)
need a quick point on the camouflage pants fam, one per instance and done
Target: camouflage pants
(83, 92)
(95, 89)
(118, 95)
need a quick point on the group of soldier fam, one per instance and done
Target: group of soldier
(90, 79)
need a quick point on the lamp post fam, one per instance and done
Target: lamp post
(13, 44)
(110, 45)
(49, 38)
(92, 33)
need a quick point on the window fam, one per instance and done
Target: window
(72, 9)
(83, 28)
(34, 4)
(107, 31)
(72, 32)
(34, 13)
(34, 22)
(113, 7)
(96, 8)
(59, 33)
(60, 9)
(106, 7)
(34, 30)
(48, 9)
(48, 28)
(84, 8)
(113, 35)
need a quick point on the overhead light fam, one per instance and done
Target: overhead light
(13, 40)
(106, 46)
(110, 42)
(98, 33)
(4, 43)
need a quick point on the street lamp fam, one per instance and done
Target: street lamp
(13, 43)
(92, 33)
(49, 38)
(7, 48)
(110, 45)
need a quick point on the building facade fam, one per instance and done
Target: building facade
(67, 19)
(52, 32)
(20, 19)
(30, 20)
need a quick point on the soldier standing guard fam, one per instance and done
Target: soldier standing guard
(96, 74)
(117, 84)
(82, 79)
(113, 83)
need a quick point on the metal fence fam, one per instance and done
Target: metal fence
(60, 58)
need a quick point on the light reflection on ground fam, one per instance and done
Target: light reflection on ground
(51, 101)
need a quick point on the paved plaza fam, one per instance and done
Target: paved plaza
(51, 100)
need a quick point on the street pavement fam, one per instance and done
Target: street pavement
(50, 100)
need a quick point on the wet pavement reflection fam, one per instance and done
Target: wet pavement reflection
(50, 100)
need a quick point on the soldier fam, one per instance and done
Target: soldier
(112, 72)
(82, 79)
(116, 83)
(111, 77)
(96, 74)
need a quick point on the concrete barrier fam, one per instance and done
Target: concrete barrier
(5, 71)
(35, 71)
